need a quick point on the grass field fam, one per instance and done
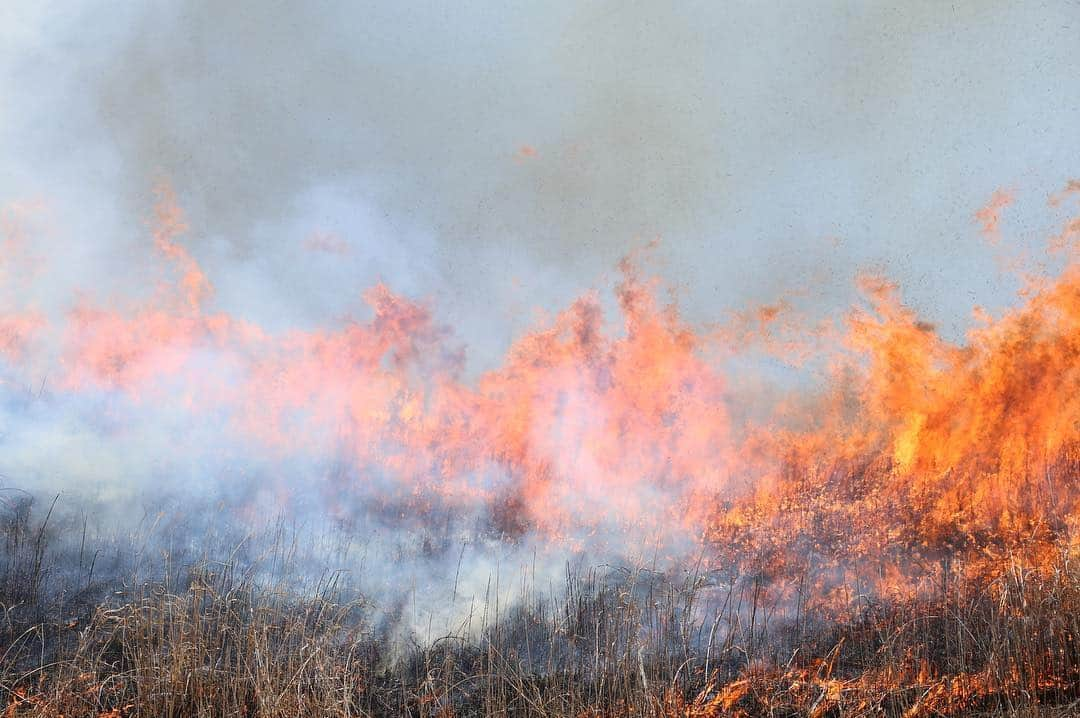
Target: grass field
(98, 631)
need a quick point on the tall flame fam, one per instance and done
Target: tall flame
(917, 445)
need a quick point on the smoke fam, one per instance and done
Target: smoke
(750, 137)
(484, 165)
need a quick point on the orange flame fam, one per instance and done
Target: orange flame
(917, 445)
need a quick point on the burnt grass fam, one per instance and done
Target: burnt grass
(109, 628)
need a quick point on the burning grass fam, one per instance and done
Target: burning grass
(222, 638)
(899, 540)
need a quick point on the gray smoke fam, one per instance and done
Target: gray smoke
(769, 145)
(495, 158)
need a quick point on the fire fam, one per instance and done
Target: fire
(923, 483)
(916, 446)
(990, 215)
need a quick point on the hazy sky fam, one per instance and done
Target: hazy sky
(501, 156)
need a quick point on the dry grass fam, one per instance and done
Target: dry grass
(217, 639)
